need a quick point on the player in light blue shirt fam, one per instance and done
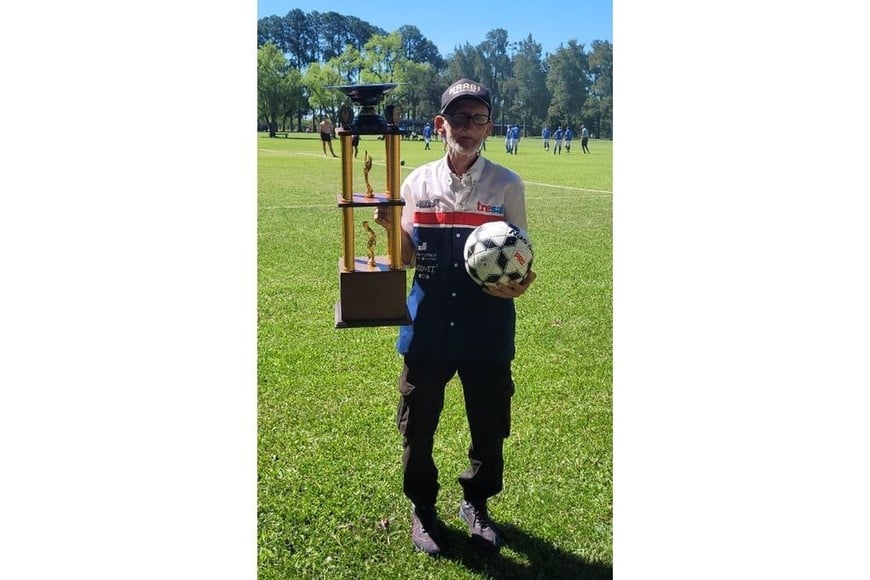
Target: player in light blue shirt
(515, 139)
(557, 138)
(427, 135)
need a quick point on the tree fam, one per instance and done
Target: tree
(335, 32)
(274, 92)
(316, 80)
(297, 102)
(417, 48)
(383, 59)
(494, 63)
(567, 87)
(598, 108)
(349, 65)
(271, 30)
(531, 83)
(415, 92)
(568, 83)
(300, 39)
(463, 63)
(386, 62)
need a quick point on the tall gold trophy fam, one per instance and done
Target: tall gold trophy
(372, 288)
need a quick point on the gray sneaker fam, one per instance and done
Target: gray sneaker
(426, 530)
(483, 531)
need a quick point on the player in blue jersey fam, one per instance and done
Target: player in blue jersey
(427, 135)
(457, 326)
(545, 135)
(515, 139)
(557, 140)
(569, 136)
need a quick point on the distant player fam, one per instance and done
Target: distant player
(427, 135)
(326, 131)
(584, 138)
(557, 140)
(515, 139)
(545, 134)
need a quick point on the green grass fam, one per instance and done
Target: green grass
(330, 503)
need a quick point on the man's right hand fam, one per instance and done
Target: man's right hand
(382, 216)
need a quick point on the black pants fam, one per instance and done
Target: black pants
(487, 390)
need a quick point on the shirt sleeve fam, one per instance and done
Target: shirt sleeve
(515, 204)
(407, 193)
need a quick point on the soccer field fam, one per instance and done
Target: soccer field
(330, 503)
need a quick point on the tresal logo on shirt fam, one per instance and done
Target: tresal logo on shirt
(495, 209)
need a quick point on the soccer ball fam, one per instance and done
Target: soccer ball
(497, 252)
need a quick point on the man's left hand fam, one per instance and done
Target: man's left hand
(512, 289)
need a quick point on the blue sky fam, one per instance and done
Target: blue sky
(451, 23)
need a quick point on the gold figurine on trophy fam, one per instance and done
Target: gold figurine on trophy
(372, 242)
(366, 168)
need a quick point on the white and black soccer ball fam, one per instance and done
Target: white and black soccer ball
(497, 252)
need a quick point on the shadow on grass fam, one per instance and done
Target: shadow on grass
(523, 557)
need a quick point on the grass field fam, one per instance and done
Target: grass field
(330, 501)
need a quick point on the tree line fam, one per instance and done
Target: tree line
(299, 55)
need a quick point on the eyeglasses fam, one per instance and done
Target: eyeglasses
(461, 119)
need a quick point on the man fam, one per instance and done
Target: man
(427, 135)
(354, 142)
(545, 134)
(557, 138)
(515, 139)
(326, 131)
(457, 326)
(584, 138)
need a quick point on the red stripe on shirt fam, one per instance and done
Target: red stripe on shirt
(456, 218)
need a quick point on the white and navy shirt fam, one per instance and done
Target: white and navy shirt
(453, 318)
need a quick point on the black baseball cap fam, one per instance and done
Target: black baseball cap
(465, 88)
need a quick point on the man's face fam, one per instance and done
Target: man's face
(462, 121)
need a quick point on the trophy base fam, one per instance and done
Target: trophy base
(372, 295)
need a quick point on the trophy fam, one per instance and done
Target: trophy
(372, 288)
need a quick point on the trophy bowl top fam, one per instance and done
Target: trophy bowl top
(365, 95)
